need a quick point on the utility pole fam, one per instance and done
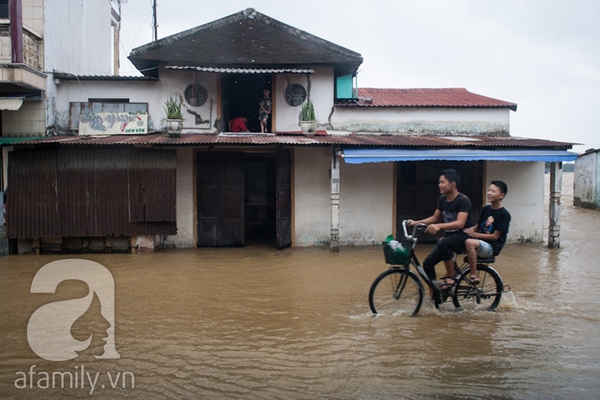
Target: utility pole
(154, 22)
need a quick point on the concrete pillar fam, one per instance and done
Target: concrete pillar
(334, 242)
(554, 209)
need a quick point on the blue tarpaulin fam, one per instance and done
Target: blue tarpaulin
(360, 156)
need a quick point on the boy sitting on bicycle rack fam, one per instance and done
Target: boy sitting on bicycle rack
(489, 235)
(452, 215)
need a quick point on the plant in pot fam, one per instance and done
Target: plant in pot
(174, 120)
(308, 120)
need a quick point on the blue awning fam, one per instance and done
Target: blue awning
(360, 156)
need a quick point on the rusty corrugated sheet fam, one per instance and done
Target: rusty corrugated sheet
(331, 138)
(91, 192)
(27, 197)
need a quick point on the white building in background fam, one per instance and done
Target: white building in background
(586, 184)
(373, 161)
(37, 38)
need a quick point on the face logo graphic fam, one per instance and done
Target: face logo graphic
(49, 328)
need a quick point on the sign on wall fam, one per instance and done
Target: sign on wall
(113, 123)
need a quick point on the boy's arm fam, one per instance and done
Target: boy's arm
(436, 217)
(488, 237)
(461, 221)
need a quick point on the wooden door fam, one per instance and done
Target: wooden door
(220, 186)
(284, 199)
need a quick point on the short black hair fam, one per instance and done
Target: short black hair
(501, 185)
(451, 175)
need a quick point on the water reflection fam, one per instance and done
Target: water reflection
(259, 323)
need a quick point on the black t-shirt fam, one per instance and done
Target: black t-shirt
(492, 220)
(450, 210)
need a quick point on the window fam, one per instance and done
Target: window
(4, 9)
(295, 94)
(345, 87)
(196, 95)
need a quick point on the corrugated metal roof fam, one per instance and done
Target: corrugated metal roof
(348, 139)
(448, 97)
(246, 70)
(72, 77)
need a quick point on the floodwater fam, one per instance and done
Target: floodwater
(256, 323)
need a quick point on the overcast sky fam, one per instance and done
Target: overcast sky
(543, 55)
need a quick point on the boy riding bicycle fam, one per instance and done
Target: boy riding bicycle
(452, 215)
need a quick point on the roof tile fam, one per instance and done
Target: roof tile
(446, 97)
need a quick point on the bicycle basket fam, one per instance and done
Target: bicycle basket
(397, 254)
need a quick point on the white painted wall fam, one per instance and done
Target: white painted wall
(155, 93)
(366, 203)
(525, 198)
(321, 94)
(366, 200)
(185, 200)
(77, 40)
(77, 36)
(173, 83)
(442, 121)
(586, 182)
(312, 196)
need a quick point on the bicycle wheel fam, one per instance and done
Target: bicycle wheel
(396, 292)
(483, 296)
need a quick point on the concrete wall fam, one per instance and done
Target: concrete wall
(366, 203)
(186, 205)
(29, 120)
(33, 15)
(155, 93)
(525, 198)
(81, 91)
(586, 180)
(78, 36)
(173, 83)
(442, 121)
(77, 40)
(321, 94)
(312, 196)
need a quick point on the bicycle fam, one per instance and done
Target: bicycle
(400, 291)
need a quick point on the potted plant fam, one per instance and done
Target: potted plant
(308, 120)
(174, 120)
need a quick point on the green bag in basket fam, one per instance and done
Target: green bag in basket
(396, 253)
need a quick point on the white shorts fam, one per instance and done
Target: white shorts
(485, 250)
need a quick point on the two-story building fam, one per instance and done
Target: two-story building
(112, 177)
(37, 36)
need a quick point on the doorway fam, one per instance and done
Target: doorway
(243, 198)
(417, 189)
(259, 199)
(241, 94)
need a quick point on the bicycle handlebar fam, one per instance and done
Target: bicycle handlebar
(412, 237)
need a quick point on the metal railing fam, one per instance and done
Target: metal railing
(33, 48)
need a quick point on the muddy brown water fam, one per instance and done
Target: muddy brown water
(259, 323)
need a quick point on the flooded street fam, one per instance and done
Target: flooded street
(259, 323)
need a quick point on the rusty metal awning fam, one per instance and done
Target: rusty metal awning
(360, 156)
(231, 70)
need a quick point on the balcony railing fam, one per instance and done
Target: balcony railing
(33, 48)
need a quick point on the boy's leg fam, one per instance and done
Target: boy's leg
(471, 245)
(450, 245)
(431, 261)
